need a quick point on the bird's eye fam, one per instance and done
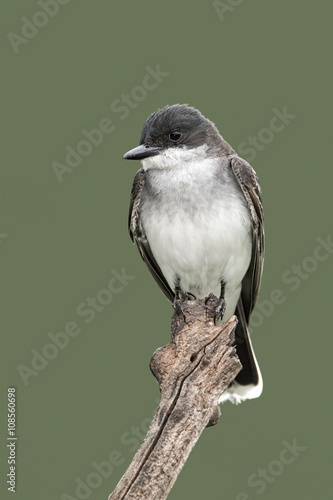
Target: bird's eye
(175, 135)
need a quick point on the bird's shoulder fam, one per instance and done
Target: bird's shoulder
(249, 184)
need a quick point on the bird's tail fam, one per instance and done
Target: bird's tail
(248, 384)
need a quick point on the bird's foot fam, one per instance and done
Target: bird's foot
(220, 310)
(178, 307)
(211, 298)
(218, 304)
(189, 296)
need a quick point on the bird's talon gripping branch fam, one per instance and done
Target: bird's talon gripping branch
(219, 304)
(178, 307)
(211, 297)
(220, 310)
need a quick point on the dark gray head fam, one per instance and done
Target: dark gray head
(178, 126)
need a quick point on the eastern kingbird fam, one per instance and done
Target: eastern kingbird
(197, 218)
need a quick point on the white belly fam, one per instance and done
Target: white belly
(203, 247)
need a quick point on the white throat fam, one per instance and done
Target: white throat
(172, 158)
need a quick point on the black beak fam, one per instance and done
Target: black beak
(141, 152)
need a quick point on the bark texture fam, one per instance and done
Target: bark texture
(192, 371)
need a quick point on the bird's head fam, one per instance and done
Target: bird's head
(176, 134)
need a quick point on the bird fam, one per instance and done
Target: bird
(196, 216)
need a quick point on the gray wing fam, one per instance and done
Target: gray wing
(249, 184)
(138, 236)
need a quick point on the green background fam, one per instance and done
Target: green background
(64, 238)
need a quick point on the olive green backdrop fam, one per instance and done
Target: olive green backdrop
(63, 238)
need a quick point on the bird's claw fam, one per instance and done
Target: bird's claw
(219, 310)
(218, 304)
(211, 297)
(178, 307)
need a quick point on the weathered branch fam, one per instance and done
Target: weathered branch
(192, 371)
